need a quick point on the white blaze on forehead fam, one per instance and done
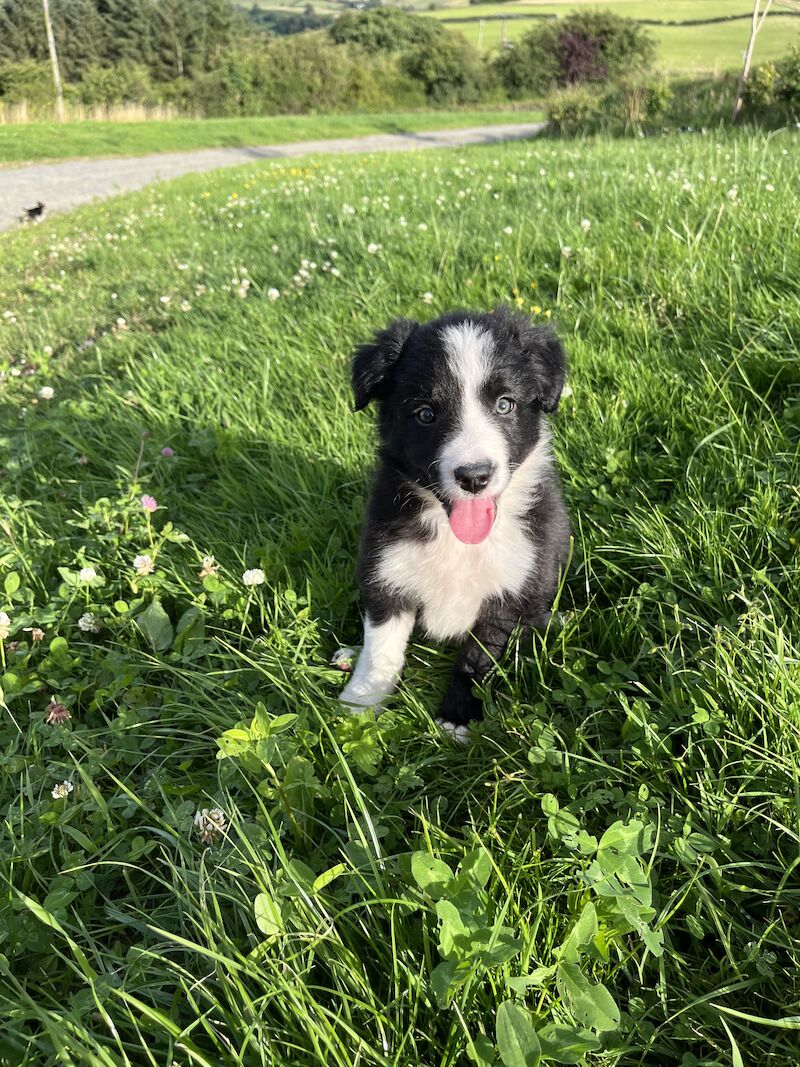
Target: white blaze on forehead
(477, 438)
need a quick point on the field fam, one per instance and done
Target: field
(607, 874)
(48, 140)
(679, 49)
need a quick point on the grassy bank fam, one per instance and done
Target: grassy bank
(51, 140)
(624, 826)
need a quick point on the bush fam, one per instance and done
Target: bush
(637, 101)
(577, 109)
(26, 82)
(450, 71)
(122, 83)
(775, 87)
(588, 46)
(387, 29)
(302, 74)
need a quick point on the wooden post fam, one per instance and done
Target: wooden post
(480, 33)
(51, 44)
(755, 26)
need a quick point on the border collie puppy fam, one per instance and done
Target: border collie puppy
(35, 213)
(466, 530)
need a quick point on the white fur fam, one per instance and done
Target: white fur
(449, 579)
(478, 439)
(380, 663)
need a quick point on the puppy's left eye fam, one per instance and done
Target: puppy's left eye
(504, 406)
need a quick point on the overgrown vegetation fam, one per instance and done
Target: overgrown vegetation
(587, 47)
(207, 862)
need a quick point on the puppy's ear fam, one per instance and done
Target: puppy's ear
(543, 348)
(373, 362)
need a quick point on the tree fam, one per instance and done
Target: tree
(585, 47)
(387, 29)
(759, 15)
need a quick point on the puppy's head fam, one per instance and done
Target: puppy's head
(461, 401)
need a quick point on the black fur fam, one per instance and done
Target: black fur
(406, 366)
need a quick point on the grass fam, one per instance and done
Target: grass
(50, 140)
(625, 823)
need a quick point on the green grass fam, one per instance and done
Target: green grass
(50, 140)
(627, 818)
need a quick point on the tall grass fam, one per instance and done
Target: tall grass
(608, 873)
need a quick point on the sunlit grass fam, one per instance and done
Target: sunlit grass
(214, 318)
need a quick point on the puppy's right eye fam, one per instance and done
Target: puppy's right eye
(425, 415)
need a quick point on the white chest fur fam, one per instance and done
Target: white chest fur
(449, 580)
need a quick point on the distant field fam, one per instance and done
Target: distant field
(49, 140)
(716, 46)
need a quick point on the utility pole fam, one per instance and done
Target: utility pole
(51, 44)
(480, 34)
(755, 26)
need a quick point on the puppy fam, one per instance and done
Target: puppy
(35, 213)
(466, 530)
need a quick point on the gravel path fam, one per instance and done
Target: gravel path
(67, 185)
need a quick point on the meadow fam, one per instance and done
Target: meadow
(25, 142)
(203, 860)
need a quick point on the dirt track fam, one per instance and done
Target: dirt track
(66, 185)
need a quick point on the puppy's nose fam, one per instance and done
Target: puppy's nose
(473, 477)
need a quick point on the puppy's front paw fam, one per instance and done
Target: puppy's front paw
(460, 705)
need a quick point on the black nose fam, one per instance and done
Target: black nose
(473, 477)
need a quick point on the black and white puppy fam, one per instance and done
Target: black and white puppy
(466, 529)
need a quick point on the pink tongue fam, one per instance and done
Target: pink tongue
(472, 520)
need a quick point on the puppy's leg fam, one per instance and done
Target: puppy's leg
(482, 649)
(381, 660)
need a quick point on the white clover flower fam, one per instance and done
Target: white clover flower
(87, 574)
(89, 623)
(254, 577)
(507, 230)
(62, 790)
(143, 565)
(273, 293)
(47, 392)
(422, 226)
(732, 193)
(5, 625)
(373, 249)
(427, 298)
(566, 252)
(770, 187)
(210, 824)
(586, 225)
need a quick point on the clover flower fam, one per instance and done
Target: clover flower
(47, 392)
(148, 503)
(210, 567)
(253, 577)
(167, 451)
(210, 823)
(273, 293)
(89, 623)
(57, 713)
(143, 565)
(37, 634)
(5, 625)
(427, 298)
(87, 574)
(585, 225)
(62, 790)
